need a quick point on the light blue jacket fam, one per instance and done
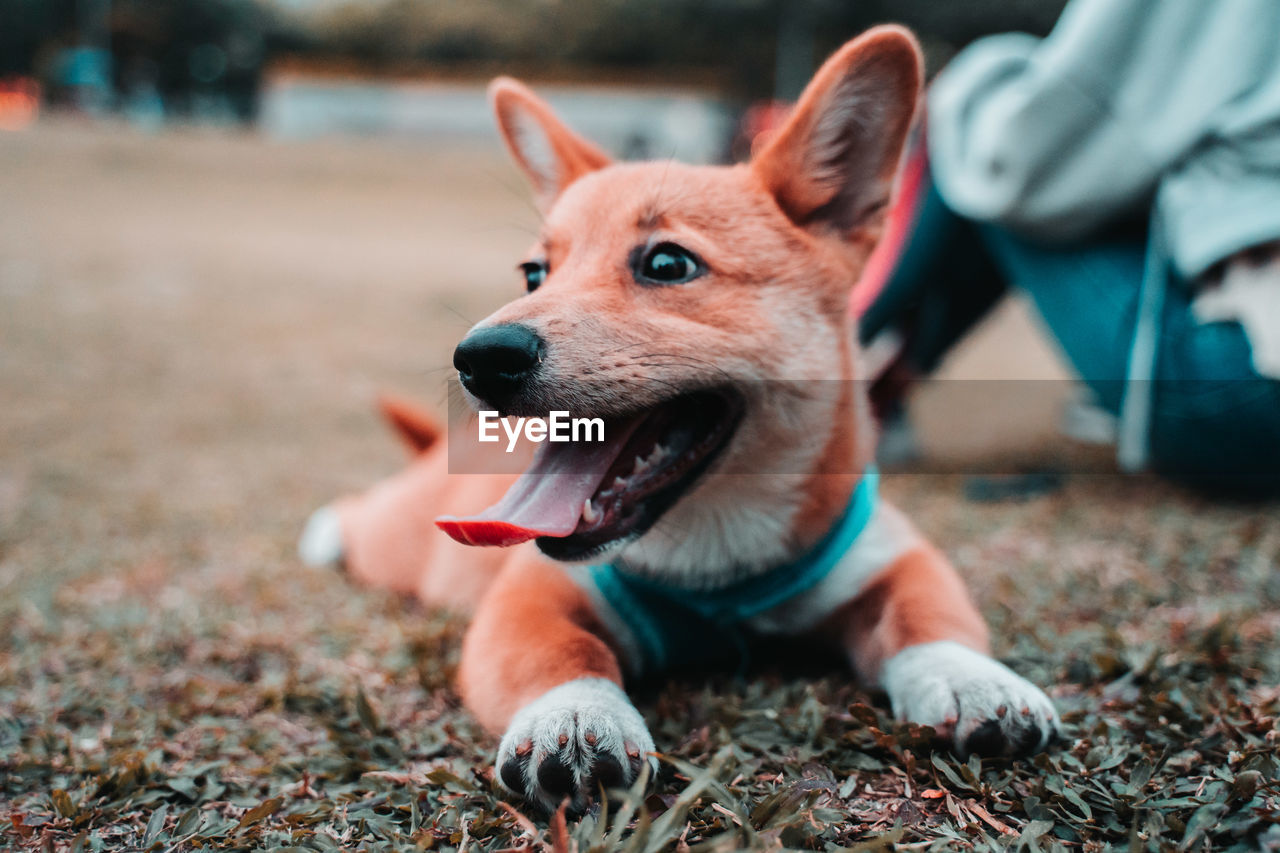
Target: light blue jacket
(1125, 104)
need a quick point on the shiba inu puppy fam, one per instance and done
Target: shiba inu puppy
(701, 312)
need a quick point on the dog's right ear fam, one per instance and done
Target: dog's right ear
(415, 427)
(551, 155)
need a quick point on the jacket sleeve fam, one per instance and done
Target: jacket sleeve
(1057, 137)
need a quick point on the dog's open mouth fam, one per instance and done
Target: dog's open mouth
(577, 499)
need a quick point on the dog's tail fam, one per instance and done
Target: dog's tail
(417, 428)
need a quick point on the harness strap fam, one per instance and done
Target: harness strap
(655, 612)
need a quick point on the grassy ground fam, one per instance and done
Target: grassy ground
(191, 331)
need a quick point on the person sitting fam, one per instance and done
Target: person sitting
(1124, 173)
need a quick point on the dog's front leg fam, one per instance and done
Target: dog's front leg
(915, 632)
(536, 665)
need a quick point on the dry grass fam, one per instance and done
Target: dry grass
(192, 328)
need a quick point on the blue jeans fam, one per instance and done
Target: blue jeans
(1215, 422)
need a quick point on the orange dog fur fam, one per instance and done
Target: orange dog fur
(781, 240)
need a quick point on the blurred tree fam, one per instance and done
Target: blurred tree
(753, 48)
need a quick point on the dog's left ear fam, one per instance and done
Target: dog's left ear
(550, 154)
(832, 164)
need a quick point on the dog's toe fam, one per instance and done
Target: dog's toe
(572, 741)
(556, 776)
(606, 772)
(992, 738)
(512, 770)
(984, 707)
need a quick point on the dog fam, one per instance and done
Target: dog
(701, 312)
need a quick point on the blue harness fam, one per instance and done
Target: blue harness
(704, 627)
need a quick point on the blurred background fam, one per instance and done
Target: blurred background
(225, 225)
(302, 68)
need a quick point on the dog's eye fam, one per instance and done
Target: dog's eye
(667, 263)
(535, 272)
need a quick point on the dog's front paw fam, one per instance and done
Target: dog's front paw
(982, 705)
(570, 741)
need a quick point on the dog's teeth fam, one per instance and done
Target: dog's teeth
(640, 466)
(654, 457)
(589, 512)
(619, 484)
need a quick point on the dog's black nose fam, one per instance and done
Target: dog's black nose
(495, 363)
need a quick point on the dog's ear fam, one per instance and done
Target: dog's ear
(551, 155)
(415, 427)
(831, 165)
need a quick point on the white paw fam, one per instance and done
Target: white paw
(571, 740)
(980, 703)
(320, 545)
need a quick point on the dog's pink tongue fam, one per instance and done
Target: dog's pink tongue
(548, 498)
